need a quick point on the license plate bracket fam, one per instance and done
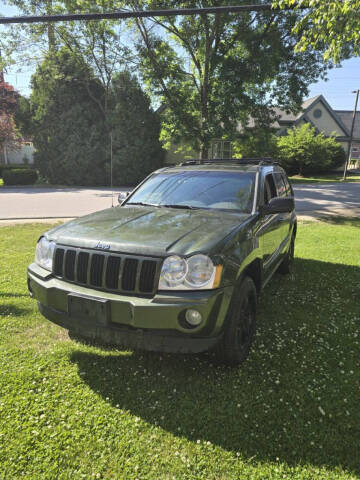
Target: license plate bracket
(90, 309)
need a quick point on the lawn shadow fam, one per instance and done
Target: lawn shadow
(14, 295)
(12, 310)
(293, 400)
(341, 220)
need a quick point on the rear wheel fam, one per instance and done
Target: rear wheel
(240, 324)
(286, 265)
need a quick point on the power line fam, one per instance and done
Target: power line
(123, 14)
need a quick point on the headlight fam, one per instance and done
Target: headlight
(201, 271)
(174, 270)
(44, 253)
(197, 272)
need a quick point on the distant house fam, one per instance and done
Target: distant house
(320, 115)
(315, 111)
(20, 152)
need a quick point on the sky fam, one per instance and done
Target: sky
(337, 89)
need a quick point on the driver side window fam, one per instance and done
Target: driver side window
(269, 188)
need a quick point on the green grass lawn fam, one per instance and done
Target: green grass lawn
(71, 411)
(331, 178)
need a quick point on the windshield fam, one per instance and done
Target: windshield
(198, 189)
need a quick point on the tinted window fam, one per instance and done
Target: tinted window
(280, 185)
(200, 189)
(269, 188)
(289, 191)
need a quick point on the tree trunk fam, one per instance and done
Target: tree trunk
(50, 26)
(203, 152)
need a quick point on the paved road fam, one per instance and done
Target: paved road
(22, 202)
(327, 197)
(25, 203)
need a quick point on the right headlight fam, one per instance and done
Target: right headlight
(195, 273)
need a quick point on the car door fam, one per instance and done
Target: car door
(283, 218)
(269, 232)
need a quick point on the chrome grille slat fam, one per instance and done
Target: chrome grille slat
(108, 271)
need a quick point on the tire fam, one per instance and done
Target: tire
(286, 265)
(240, 325)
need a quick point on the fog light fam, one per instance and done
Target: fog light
(193, 317)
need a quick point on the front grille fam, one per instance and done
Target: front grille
(119, 273)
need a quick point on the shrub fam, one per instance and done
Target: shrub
(304, 151)
(19, 176)
(12, 167)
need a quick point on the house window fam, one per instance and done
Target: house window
(317, 113)
(221, 149)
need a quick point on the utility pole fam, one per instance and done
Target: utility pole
(351, 134)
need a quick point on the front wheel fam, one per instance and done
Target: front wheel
(240, 324)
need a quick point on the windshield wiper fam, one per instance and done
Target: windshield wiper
(187, 207)
(143, 204)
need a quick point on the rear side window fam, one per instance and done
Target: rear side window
(289, 190)
(280, 185)
(269, 188)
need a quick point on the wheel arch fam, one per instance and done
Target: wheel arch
(254, 271)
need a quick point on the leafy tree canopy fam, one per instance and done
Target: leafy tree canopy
(72, 135)
(332, 26)
(135, 131)
(69, 127)
(214, 71)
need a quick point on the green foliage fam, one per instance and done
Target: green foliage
(69, 135)
(256, 142)
(72, 128)
(331, 25)
(214, 71)
(135, 128)
(19, 176)
(11, 166)
(23, 118)
(303, 151)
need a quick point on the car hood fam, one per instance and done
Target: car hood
(149, 231)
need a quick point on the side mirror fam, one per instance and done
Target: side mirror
(278, 205)
(122, 197)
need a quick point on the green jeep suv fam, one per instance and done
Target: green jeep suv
(176, 267)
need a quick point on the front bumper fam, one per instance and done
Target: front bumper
(155, 323)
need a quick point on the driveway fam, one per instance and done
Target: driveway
(37, 203)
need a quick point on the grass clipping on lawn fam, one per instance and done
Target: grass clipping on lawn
(71, 411)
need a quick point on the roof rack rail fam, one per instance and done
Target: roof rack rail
(238, 161)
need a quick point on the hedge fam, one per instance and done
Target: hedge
(13, 166)
(19, 176)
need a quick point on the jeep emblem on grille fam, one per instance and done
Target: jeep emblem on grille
(103, 246)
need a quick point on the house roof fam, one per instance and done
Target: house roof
(346, 117)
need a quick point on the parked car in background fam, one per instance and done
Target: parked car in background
(178, 266)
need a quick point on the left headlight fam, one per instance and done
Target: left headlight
(195, 273)
(44, 253)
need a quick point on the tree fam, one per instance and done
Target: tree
(24, 118)
(69, 129)
(136, 129)
(9, 137)
(331, 25)
(303, 151)
(214, 71)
